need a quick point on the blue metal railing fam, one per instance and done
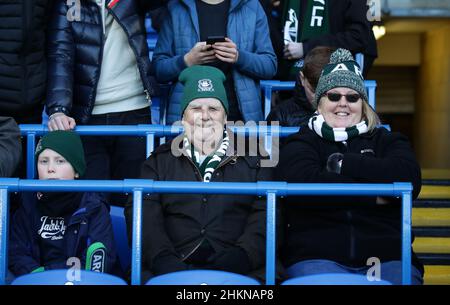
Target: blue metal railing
(138, 186)
(269, 189)
(31, 131)
(268, 86)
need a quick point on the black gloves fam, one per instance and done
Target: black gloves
(233, 259)
(168, 263)
(334, 163)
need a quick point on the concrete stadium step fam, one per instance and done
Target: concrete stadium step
(431, 217)
(435, 192)
(435, 174)
(433, 245)
(434, 259)
(431, 203)
(437, 275)
(431, 231)
(431, 226)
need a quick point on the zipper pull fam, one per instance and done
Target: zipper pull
(148, 97)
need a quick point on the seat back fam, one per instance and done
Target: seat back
(202, 277)
(333, 279)
(152, 36)
(120, 237)
(68, 277)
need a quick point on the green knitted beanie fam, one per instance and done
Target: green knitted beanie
(67, 144)
(202, 82)
(342, 71)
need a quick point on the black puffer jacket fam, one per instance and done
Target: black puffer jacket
(176, 224)
(23, 66)
(75, 53)
(10, 148)
(294, 111)
(350, 229)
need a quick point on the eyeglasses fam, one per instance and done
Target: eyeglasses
(336, 97)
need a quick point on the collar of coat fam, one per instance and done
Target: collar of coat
(90, 202)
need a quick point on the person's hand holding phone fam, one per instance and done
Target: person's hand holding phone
(200, 54)
(226, 51)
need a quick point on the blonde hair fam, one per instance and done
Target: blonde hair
(370, 116)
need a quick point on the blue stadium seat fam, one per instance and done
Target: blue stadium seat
(160, 103)
(268, 86)
(152, 36)
(202, 277)
(67, 277)
(333, 279)
(120, 236)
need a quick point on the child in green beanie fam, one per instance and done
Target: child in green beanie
(51, 227)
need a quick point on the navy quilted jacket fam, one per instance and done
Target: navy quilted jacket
(75, 53)
(91, 223)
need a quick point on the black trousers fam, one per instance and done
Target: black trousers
(116, 157)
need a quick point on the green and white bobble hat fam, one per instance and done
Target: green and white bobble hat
(342, 71)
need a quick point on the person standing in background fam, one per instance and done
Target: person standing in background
(307, 24)
(10, 148)
(244, 54)
(23, 64)
(99, 74)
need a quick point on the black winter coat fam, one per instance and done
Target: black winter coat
(89, 224)
(351, 229)
(75, 53)
(10, 148)
(294, 111)
(176, 224)
(23, 67)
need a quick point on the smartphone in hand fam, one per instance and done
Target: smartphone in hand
(213, 39)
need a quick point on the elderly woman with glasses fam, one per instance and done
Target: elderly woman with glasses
(344, 144)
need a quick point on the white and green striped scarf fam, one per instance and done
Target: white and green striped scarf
(209, 165)
(320, 127)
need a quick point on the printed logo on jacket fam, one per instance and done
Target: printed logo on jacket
(52, 228)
